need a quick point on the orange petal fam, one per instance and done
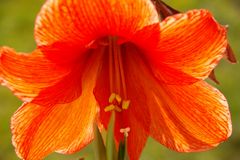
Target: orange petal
(40, 130)
(102, 92)
(136, 140)
(146, 40)
(81, 22)
(66, 128)
(183, 117)
(190, 118)
(64, 91)
(28, 74)
(191, 43)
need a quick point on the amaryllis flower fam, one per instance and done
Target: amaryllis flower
(95, 57)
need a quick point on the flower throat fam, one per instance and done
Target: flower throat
(117, 83)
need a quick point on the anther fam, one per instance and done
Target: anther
(112, 107)
(109, 108)
(125, 131)
(118, 98)
(125, 104)
(112, 98)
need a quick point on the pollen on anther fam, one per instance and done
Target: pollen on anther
(109, 108)
(125, 104)
(112, 97)
(118, 98)
(125, 131)
(112, 107)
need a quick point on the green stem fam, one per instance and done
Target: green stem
(110, 142)
(100, 149)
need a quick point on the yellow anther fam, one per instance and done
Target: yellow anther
(125, 131)
(125, 104)
(112, 107)
(112, 98)
(109, 108)
(118, 98)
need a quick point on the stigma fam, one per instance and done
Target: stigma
(125, 131)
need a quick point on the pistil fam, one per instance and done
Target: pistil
(125, 131)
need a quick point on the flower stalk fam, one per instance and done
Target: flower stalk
(100, 150)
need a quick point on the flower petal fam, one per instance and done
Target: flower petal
(190, 118)
(136, 140)
(183, 117)
(66, 128)
(40, 130)
(191, 44)
(27, 74)
(102, 92)
(81, 22)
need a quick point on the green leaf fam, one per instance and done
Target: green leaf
(110, 142)
(100, 149)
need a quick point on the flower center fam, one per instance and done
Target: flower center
(117, 84)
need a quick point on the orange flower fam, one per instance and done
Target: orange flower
(95, 57)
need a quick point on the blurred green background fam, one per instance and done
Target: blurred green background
(16, 30)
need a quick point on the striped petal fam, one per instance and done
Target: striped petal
(190, 118)
(184, 118)
(191, 45)
(81, 22)
(28, 74)
(39, 130)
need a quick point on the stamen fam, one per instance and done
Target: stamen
(118, 98)
(109, 108)
(122, 76)
(116, 69)
(112, 107)
(110, 50)
(125, 104)
(112, 98)
(116, 52)
(125, 131)
(116, 78)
